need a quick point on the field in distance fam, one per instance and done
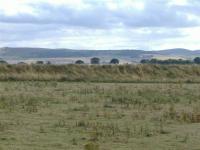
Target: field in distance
(99, 116)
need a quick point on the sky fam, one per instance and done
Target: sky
(100, 24)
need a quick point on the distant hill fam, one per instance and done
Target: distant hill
(49, 53)
(179, 52)
(24, 53)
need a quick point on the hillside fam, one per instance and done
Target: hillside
(25, 54)
(51, 53)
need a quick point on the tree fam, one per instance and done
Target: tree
(39, 62)
(21, 63)
(144, 61)
(48, 63)
(79, 62)
(154, 61)
(166, 62)
(95, 60)
(3, 62)
(114, 61)
(197, 60)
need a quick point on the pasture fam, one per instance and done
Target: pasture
(99, 116)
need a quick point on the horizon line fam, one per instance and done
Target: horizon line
(100, 49)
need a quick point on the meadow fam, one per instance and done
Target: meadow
(51, 115)
(141, 73)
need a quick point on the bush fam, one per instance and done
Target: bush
(95, 60)
(79, 62)
(197, 60)
(114, 61)
(166, 62)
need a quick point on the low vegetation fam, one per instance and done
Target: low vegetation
(171, 61)
(99, 116)
(143, 73)
(156, 109)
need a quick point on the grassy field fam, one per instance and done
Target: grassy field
(99, 116)
(102, 73)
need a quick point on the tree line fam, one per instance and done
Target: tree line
(94, 60)
(170, 61)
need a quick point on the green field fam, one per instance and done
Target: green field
(99, 116)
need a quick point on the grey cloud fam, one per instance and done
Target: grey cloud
(18, 32)
(64, 26)
(156, 14)
(192, 7)
(63, 15)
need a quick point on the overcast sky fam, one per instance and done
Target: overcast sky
(100, 24)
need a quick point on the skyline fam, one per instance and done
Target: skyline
(100, 24)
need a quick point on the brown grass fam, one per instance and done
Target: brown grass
(101, 73)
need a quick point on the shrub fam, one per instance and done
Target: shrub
(79, 62)
(114, 61)
(95, 60)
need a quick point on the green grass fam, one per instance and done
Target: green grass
(105, 116)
